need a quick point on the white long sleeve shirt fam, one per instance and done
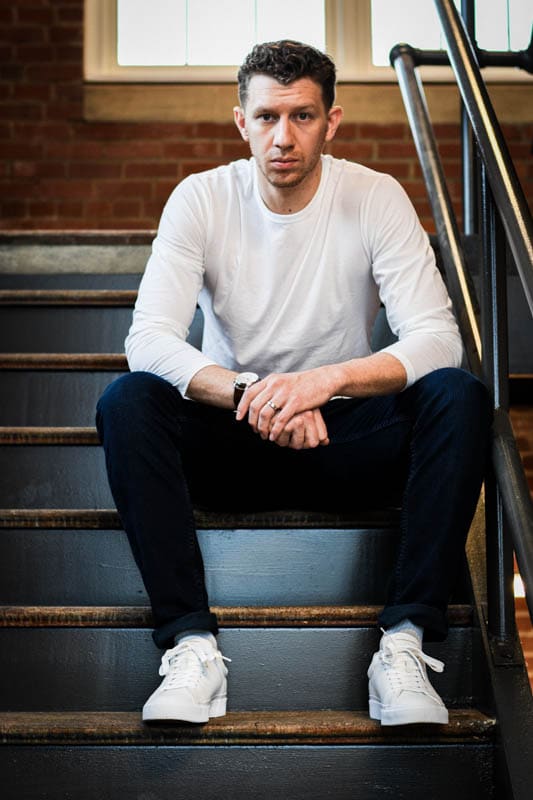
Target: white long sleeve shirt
(288, 292)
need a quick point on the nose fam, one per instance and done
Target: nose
(283, 137)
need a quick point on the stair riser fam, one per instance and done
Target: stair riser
(64, 329)
(463, 772)
(74, 476)
(67, 280)
(84, 669)
(242, 567)
(54, 477)
(51, 398)
(67, 329)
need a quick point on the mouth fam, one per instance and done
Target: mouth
(283, 163)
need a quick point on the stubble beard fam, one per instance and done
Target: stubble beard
(282, 182)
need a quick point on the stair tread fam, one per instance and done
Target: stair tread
(68, 297)
(228, 616)
(236, 728)
(108, 519)
(64, 361)
(41, 434)
(63, 237)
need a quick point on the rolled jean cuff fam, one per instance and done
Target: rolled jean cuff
(164, 635)
(433, 620)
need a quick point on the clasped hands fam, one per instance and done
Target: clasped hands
(285, 408)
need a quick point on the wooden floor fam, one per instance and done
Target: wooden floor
(522, 419)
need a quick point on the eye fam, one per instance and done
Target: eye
(266, 117)
(303, 116)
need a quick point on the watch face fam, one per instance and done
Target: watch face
(245, 379)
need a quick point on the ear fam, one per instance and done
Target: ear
(334, 119)
(238, 116)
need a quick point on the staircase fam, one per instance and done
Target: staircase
(297, 595)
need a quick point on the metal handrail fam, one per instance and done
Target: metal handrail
(506, 458)
(508, 194)
(441, 204)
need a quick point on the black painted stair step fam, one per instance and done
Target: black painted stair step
(67, 398)
(272, 667)
(238, 616)
(78, 281)
(114, 362)
(236, 728)
(64, 476)
(87, 326)
(108, 519)
(244, 566)
(64, 328)
(68, 297)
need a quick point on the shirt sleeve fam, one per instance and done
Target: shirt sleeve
(168, 293)
(417, 304)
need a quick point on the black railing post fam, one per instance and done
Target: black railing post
(504, 182)
(458, 276)
(494, 335)
(468, 147)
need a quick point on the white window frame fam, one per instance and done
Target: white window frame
(348, 28)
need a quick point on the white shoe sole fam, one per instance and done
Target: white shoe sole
(407, 716)
(154, 712)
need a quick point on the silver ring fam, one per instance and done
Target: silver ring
(273, 406)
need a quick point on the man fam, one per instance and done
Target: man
(289, 254)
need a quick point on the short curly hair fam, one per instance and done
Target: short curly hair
(287, 61)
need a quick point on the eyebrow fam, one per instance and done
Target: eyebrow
(297, 110)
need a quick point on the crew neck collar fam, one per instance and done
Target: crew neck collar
(287, 219)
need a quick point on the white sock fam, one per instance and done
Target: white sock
(406, 626)
(207, 637)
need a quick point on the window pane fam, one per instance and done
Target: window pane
(409, 21)
(220, 31)
(499, 24)
(491, 24)
(521, 19)
(151, 33)
(302, 20)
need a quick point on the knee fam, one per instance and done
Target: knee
(462, 394)
(128, 396)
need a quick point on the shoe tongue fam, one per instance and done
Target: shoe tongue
(408, 663)
(405, 639)
(401, 642)
(205, 642)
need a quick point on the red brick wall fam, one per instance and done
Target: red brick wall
(58, 171)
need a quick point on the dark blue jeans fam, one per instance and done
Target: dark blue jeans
(164, 455)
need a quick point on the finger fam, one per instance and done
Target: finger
(284, 439)
(297, 439)
(311, 436)
(255, 406)
(278, 424)
(250, 393)
(262, 413)
(276, 431)
(316, 432)
(322, 430)
(290, 408)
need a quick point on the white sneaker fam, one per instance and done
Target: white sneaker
(195, 686)
(399, 689)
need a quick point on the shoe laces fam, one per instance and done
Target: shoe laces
(405, 663)
(185, 665)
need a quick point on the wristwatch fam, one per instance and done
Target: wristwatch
(242, 381)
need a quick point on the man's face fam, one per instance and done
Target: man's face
(286, 127)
